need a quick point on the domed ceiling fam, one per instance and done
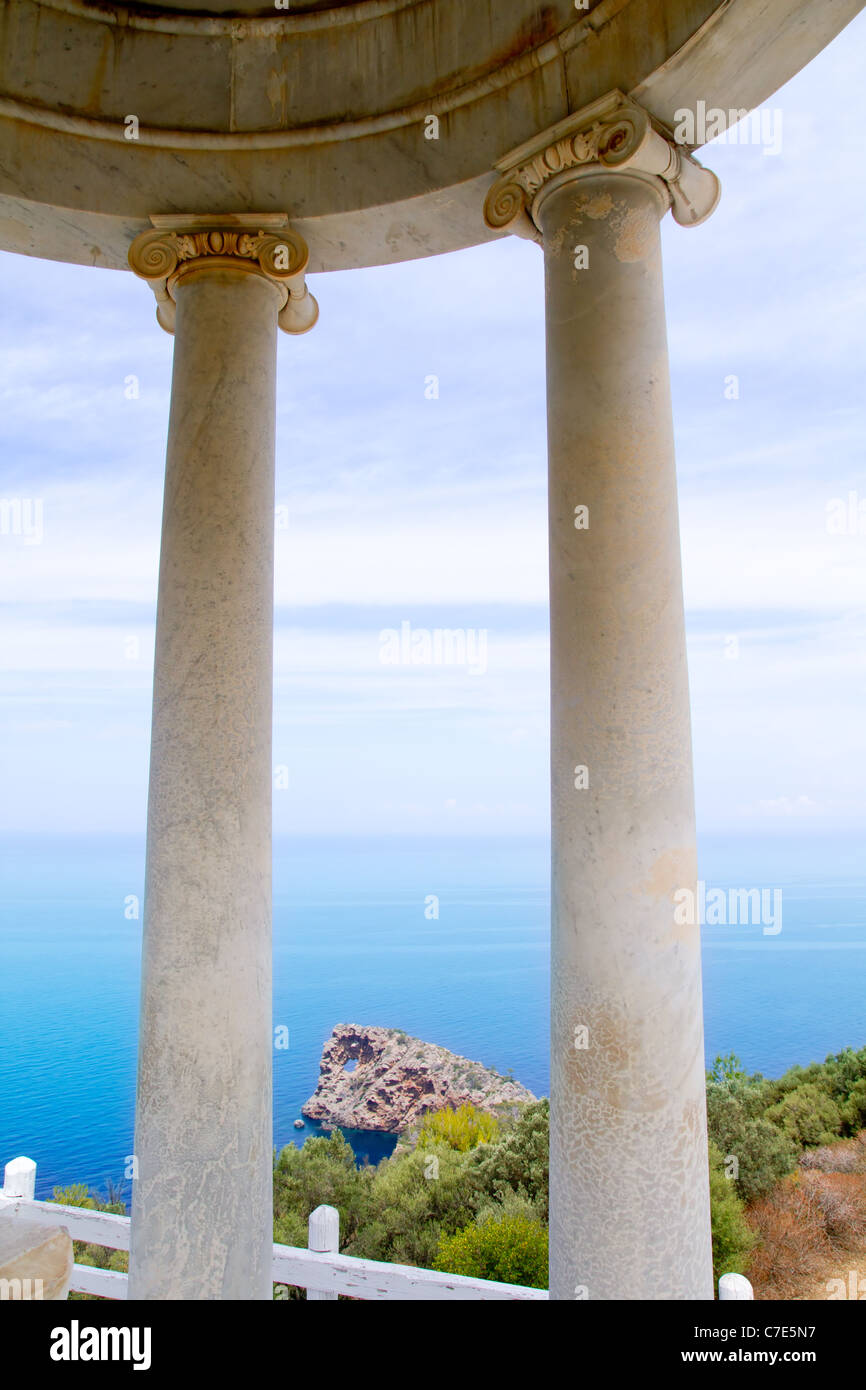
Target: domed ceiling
(374, 124)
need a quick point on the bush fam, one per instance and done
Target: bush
(323, 1171)
(96, 1256)
(848, 1156)
(414, 1200)
(512, 1249)
(808, 1115)
(840, 1210)
(807, 1220)
(837, 1077)
(517, 1161)
(732, 1236)
(461, 1129)
(853, 1107)
(791, 1243)
(764, 1153)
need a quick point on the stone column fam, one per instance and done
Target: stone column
(202, 1225)
(628, 1150)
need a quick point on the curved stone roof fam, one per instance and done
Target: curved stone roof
(321, 110)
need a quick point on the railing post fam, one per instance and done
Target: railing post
(324, 1237)
(19, 1179)
(733, 1286)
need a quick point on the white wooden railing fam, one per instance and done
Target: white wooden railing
(320, 1269)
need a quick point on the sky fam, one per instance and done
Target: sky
(397, 505)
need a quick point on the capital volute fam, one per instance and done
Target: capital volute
(613, 135)
(264, 244)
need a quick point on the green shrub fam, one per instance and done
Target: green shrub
(836, 1076)
(512, 1249)
(808, 1114)
(732, 1237)
(763, 1152)
(461, 1129)
(517, 1161)
(853, 1109)
(323, 1171)
(414, 1200)
(96, 1256)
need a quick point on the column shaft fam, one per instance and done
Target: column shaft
(629, 1184)
(202, 1203)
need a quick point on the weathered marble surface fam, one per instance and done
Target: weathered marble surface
(201, 1213)
(629, 1214)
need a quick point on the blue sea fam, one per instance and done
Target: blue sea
(354, 942)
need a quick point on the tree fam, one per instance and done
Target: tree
(726, 1070)
(414, 1200)
(517, 1161)
(323, 1171)
(763, 1154)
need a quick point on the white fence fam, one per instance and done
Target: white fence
(320, 1269)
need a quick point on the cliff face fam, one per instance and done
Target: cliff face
(396, 1079)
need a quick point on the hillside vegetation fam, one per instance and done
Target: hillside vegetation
(793, 1151)
(468, 1192)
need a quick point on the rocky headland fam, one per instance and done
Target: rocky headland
(393, 1080)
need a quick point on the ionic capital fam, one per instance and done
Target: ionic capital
(259, 244)
(612, 135)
